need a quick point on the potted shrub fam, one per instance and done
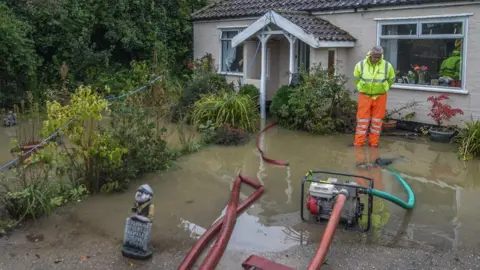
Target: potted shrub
(389, 123)
(441, 112)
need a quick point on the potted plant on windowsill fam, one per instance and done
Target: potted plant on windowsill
(441, 112)
(389, 123)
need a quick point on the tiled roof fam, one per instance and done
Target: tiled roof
(249, 8)
(321, 29)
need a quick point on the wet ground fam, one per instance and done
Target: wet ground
(440, 233)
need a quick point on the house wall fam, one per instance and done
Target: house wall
(206, 39)
(362, 26)
(320, 57)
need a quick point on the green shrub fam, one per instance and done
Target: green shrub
(94, 148)
(250, 90)
(238, 111)
(320, 104)
(469, 139)
(280, 99)
(147, 149)
(203, 81)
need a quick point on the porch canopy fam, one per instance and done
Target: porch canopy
(315, 32)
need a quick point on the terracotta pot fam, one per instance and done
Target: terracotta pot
(28, 147)
(390, 125)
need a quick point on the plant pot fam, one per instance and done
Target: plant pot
(440, 135)
(389, 125)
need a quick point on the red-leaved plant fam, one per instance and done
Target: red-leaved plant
(441, 112)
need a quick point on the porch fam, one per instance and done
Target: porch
(281, 43)
(278, 68)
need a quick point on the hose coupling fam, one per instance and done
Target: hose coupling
(343, 191)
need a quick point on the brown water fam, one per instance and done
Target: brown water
(191, 196)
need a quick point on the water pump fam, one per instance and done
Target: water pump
(322, 193)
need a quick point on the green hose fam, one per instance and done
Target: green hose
(394, 199)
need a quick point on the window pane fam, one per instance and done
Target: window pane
(229, 34)
(399, 29)
(435, 62)
(232, 58)
(450, 28)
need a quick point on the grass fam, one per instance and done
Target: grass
(469, 139)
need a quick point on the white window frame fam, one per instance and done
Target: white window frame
(430, 19)
(220, 53)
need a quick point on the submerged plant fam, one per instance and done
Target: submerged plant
(143, 137)
(239, 111)
(36, 185)
(469, 139)
(97, 150)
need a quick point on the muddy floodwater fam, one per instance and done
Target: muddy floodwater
(191, 196)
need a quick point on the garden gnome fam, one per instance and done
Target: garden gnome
(143, 207)
(139, 226)
(11, 119)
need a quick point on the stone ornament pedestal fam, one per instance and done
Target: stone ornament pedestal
(136, 239)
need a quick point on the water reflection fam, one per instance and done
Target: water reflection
(289, 188)
(252, 235)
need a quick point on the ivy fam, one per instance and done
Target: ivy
(91, 37)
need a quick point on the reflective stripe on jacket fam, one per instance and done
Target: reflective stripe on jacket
(374, 79)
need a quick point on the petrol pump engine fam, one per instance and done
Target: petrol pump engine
(322, 196)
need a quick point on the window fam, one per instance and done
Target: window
(303, 55)
(231, 58)
(426, 53)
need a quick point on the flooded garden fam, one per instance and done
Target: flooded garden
(193, 173)
(82, 131)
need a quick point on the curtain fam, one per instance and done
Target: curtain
(228, 54)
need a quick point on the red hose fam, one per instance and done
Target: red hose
(194, 253)
(216, 252)
(269, 160)
(327, 236)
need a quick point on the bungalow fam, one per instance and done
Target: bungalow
(296, 33)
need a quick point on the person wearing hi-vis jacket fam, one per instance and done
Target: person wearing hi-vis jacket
(373, 77)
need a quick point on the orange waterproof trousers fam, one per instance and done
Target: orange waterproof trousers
(370, 112)
(363, 157)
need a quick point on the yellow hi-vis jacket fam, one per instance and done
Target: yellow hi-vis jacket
(374, 79)
(451, 66)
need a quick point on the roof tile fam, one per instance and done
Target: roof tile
(321, 29)
(251, 8)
